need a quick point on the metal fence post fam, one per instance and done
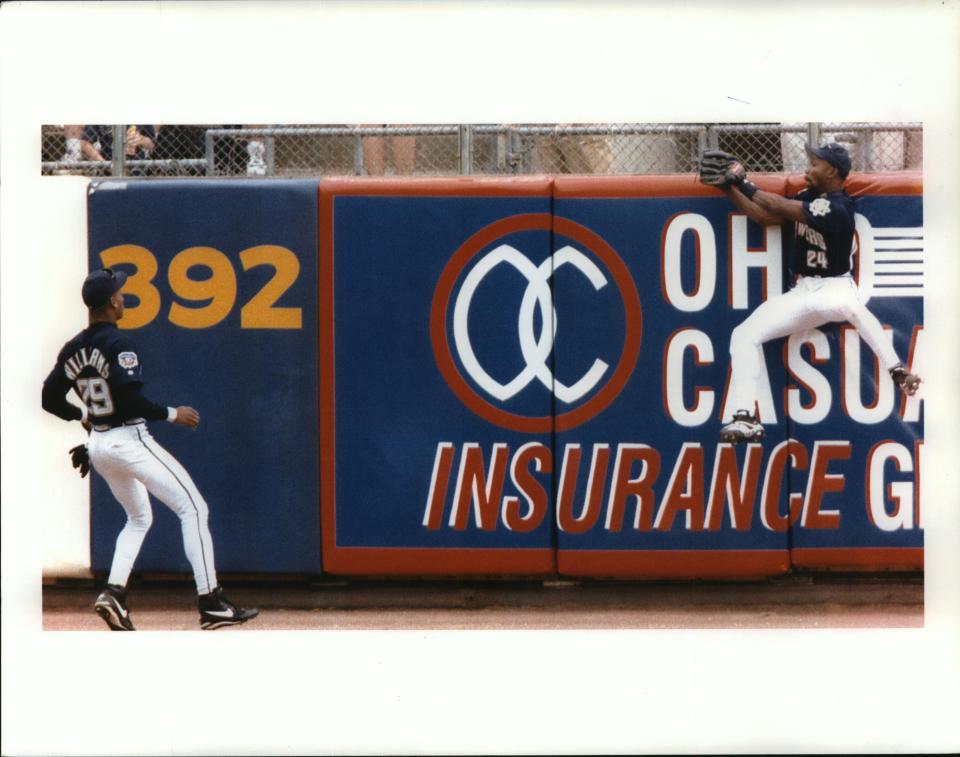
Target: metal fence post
(118, 158)
(867, 152)
(515, 152)
(701, 145)
(713, 138)
(813, 133)
(358, 155)
(208, 152)
(268, 146)
(466, 149)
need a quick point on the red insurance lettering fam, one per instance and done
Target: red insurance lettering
(641, 487)
(529, 487)
(821, 483)
(593, 494)
(474, 487)
(442, 464)
(917, 462)
(728, 487)
(685, 491)
(773, 483)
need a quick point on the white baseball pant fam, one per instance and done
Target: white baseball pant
(133, 465)
(811, 303)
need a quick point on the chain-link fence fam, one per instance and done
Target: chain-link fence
(291, 151)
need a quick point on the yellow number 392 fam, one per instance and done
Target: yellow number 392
(217, 292)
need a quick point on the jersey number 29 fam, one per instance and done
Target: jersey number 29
(95, 394)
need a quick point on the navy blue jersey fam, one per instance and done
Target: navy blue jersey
(103, 367)
(823, 244)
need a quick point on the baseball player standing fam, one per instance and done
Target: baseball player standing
(102, 366)
(823, 250)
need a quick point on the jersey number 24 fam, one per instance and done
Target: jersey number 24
(816, 259)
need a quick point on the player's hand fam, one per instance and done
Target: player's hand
(187, 416)
(80, 458)
(736, 173)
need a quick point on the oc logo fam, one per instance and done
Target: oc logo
(537, 297)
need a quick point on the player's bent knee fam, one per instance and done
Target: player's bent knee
(846, 313)
(140, 522)
(741, 339)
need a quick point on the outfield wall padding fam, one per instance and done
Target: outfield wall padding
(516, 377)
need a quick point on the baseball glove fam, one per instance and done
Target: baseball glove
(714, 167)
(80, 457)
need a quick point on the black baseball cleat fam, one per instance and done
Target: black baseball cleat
(216, 611)
(743, 428)
(111, 606)
(908, 382)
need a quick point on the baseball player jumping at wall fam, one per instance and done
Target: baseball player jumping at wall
(102, 366)
(823, 252)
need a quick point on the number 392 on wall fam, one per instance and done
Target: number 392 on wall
(218, 290)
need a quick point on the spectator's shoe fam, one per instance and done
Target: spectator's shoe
(216, 610)
(111, 606)
(908, 382)
(256, 165)
(743, 428)
(72, 155)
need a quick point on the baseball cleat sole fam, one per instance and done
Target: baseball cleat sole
(211, 624)
(113, 620)
(910, 385)
(736, 436)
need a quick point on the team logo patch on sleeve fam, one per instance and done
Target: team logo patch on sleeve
(128, 360)
(820, 207)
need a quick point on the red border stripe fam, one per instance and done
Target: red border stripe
(862, 558)
(441, 561)
(673, 563)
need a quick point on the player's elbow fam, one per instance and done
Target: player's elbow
(765, 218)
(54, 403)
(47, 400)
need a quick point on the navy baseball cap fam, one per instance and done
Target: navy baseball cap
(100, 285)
(835, 154)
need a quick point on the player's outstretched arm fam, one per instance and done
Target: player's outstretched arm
(765, 208)
(790, 210)
(753, 210)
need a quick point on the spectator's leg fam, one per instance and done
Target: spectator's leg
(572, 152)
(404, 154)
(594, 154)
(256, 152)
(373, 156)
(72, 134)
(551, 160)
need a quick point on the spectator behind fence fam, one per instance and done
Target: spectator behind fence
(73, 136)
(256, 153)
(95, 142)
(574, 153)
(403, 152)
(231, 156)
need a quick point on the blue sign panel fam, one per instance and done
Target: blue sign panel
(222, 304)
(437, 457)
